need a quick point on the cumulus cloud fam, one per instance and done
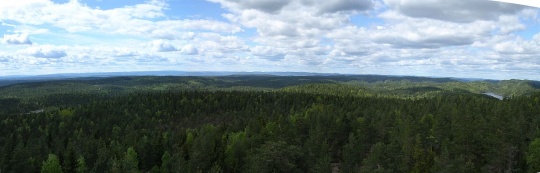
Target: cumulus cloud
(519, 46)
(189, 50)
(142, 19)
(124, 52)
(522, 2)
(509, 24)
(297, 18)
(268, 53)
(296, 31)
(426, 34)
(217, 46)
(47, 51)
(4, 59)
(269, 6)
(162, 46)
(201, 24)
(16, 39)
(334, 6)
(402, 31)
(455, 37)
(461, 11)
(149, 10)
(275, 6)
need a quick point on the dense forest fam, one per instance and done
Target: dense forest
(269, 124)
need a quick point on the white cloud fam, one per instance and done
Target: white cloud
(422, 37)
(202, 24)
(275, 6)
(189, 50)
(124, 52)
(462, 11)
(46, 51)
(401, 31)
(215, 45)
(334, 6)
(519, 46)
(4, 59)
(295, 31)
(151, 9)
(407, 32)
(141, 19)
(522, 2)
(162, 46)
(269, 6)
(16, 39)
(268, 53)
(289, 23)
(509, 24)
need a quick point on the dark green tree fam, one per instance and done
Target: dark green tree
(533, 156)
(274, 157)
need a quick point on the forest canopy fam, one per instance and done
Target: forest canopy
(269, 124)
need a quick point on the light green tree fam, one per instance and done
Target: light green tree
(165, 162)
(81, 165)
(51, 165)
(131, 161)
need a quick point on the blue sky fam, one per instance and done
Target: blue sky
(459, 38)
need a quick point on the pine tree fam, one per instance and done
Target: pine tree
(533, 156)
(51, 165)
(165, 162)
(131, 161)
(81, 165)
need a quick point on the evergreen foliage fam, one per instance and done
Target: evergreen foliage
(51, 165)
(318, 127)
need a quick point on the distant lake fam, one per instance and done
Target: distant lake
(500, 97)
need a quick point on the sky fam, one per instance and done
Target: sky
(439, 38)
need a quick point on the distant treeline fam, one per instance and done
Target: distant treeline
(389, 86)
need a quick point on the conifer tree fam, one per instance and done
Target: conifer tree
(51, 165)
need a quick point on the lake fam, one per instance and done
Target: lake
(500, 97)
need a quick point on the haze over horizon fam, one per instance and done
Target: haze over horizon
(460, 38)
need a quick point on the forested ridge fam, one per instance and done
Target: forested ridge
(317, 126)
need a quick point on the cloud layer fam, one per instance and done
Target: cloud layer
(401, 37)
(44, 52)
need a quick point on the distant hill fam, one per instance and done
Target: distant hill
(387, 86)
(7, 80)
